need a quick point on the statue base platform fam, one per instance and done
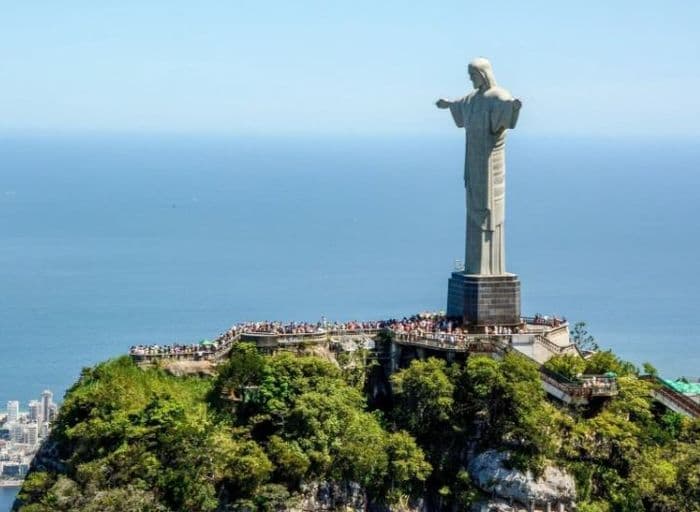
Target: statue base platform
(484, 300)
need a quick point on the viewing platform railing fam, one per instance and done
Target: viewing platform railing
(486, 343)
(581, 389)
(202, 352)
(155, 354)
(663, 391)
(546, 322)
(271, 338)
(553, 347)
(586, 386)
(224, 342)
(437, 340)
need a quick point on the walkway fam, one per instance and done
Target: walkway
(539, 346)
(570, 392)
(672, 399)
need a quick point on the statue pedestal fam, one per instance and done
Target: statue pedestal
(484, 300)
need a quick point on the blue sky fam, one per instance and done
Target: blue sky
(356, 67)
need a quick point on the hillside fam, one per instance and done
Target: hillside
(276, 432)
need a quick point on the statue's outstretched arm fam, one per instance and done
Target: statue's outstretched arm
(443, 103)
(455, 108)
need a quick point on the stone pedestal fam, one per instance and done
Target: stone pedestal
(484, 300)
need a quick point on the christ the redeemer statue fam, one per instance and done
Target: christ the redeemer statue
(485, 114)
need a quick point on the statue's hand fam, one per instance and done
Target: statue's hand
(442, 103)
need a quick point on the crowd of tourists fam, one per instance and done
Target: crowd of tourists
(428, 325)
(174, 350)
(423, 323)
(549, 321)
(291, 328)
(438, 327)
(272, 328)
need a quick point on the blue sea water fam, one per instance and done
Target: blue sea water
(111, 241)
(7, 497)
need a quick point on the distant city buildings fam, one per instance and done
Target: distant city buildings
(35, 411)
(12, 411)
(21, 434)
(46, 403)
(31, 434)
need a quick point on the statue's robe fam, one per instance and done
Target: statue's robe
(485, 115)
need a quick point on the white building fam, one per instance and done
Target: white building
(53, 412)
(35, 411)
(14, 469)
(12, 411)
(17, 433)
(31, 434)
(46, 402)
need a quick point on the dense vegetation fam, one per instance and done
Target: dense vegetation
(145, 440)
(627, 454)
(249, 439)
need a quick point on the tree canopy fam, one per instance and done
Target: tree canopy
(251, 437)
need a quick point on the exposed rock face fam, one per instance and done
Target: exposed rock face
(183, 368)
(331, 496)
(554, 486)
(327, 496)
(496, 505)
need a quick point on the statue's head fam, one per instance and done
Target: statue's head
(481, 74)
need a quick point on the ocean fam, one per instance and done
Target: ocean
(7, 497)
(109, 241)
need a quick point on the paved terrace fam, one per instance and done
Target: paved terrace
(537, 339)
(431, 331)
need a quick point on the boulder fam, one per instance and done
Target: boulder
(491, 475)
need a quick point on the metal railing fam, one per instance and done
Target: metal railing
(223, 343)
(585, 387)
(553, 347)
(220, 346)
(540, 320)
(289, 339)
(452, 342)
(599, 385)
(151, 354)
(679, 399)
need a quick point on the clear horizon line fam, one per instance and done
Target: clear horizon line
(259, 135)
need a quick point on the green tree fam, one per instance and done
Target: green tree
(569, 366)
(505, 404)
(424, 397)
(650, 369)
(141, 439)
(35, 486)
(582, 338)
(407, 470)
(239, 464)
(290, 462)
(243, 370)
(604, 362)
